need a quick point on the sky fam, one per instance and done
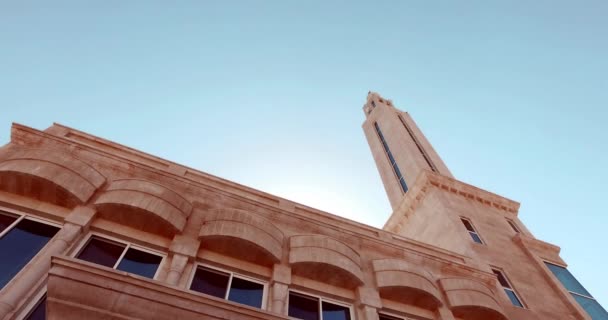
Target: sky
(512, 94)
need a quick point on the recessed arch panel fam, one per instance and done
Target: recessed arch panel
(243, 234)
(144, 205)
(49, 175)
(325, 259)
(398, 281)
(471, 299)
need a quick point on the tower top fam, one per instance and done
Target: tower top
(374, 100)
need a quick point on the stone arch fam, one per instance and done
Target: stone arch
(49, 175)
(398, 281)
(471, 299)
(325, 259)
(145, 205)
(242, 234)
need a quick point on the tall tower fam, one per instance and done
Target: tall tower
(399, 148)
(482, 228)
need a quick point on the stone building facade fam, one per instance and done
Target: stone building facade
(91, 229)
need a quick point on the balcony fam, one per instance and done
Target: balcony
(81, 290)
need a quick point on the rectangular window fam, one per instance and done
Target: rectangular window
(506, 285)
(472, 232)
(391, 159)
(21, 238)
(39, 310)
(384, 316)
(306, 307)
(578, 292)
(120, 256)
(418, 145)
(513, 226)
(227, 285)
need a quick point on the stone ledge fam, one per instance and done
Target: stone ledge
(74, 288)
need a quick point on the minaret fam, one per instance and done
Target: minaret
(399, 148)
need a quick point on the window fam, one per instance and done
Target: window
(308, 307)
(384, 316)
(39, 310)
(21, 238)
(578, 292)
(121, 256)
(469, 226)
(391, 159)
(418, 145)
(508, 288)
(513, 226)
(227, 285)
(387, 317)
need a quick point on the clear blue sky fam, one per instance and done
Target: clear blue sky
(513, 95)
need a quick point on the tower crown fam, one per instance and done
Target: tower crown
(399, 148)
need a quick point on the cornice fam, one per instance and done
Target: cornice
(427, 180)
(65, 135)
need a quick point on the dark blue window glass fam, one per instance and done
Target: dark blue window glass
(593, 308)
(568, 280)
(475, 237)
(101, 251)
(211, 282)
(39, 311)
(335, 312)
(514, 299)
(303, 307)
(246, 292)
(403, 184)
(139, 262)
(580, 294)
(20, 244)
(391, 159)
(397, 171)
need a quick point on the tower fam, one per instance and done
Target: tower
(431, 206)
(399, 148)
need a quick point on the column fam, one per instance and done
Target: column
(279, 288)
(75, 226)
(183, 249)
(369, 302)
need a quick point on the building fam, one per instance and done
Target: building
(90, 229)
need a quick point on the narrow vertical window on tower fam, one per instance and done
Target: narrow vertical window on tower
(578, 292)
(472, 232)
(391, 159)
(502, 279)
(418, 145)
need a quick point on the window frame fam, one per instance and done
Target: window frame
(563, 286)
(513, 225)
(391, 159)
(321, 300)
(475, 230)
(29, 307)
(511, 287)
(24, 215)
(393, 315)
(128, 244)
(231, 275)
